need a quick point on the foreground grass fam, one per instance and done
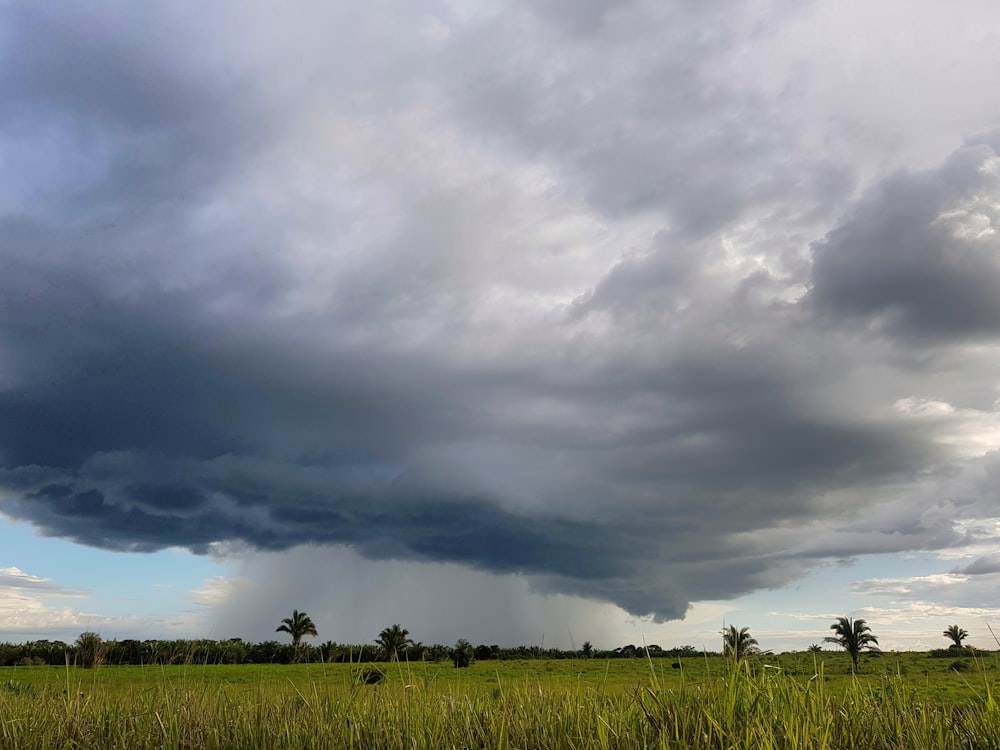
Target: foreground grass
(576, 704)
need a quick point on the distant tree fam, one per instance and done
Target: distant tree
(738, 643)
(484, 652)
(587, 650)
(416, 651)
(854, 636)
(463, 654)
(232, 651)
(438, 652)
(628, 651)
(392, 640)
(956, 635)
(330, 651)
(298, 626)
(814, 648)
(89, 650)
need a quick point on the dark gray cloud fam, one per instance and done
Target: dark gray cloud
(533, 290)
(109, 128)
(918, 257)
(981, 566)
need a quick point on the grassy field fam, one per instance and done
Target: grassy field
(785, 701)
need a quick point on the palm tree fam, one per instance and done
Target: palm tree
(330, 651)
(738, 643)
(814, 648)
(393, 640)
(463, 654)
(854, 637)
(297, 626)
(90, 650)
(956, 634)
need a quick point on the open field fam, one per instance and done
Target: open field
(785, 701)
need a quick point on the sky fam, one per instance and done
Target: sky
(526, 322)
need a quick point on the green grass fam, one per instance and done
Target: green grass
(785, 701)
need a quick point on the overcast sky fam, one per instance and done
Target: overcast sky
(558, 319)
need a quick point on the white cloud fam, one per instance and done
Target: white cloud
(218, 590)
(27, 609)
(907, 586)
(14, 580)
(21, 612)
(972, 432)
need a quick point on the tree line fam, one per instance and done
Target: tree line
(394, 644)
(854, 636)
(91, 650)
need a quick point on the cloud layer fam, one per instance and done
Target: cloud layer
(611, 296)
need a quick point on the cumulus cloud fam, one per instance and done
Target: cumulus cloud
(26, 614)
(30, 605)
(566, 292)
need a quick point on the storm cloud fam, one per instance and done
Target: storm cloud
(575, 292)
